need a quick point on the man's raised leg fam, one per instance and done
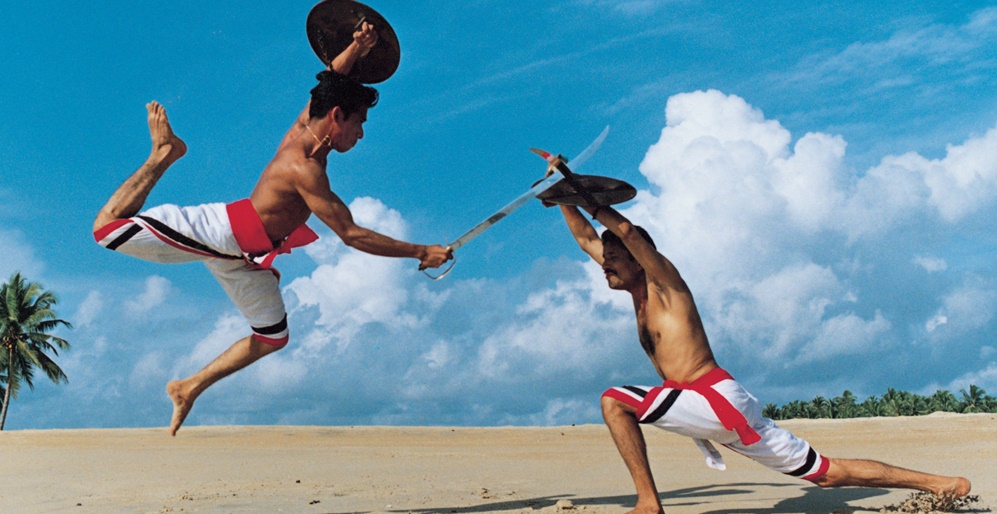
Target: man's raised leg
(128, 200)
(183, 392)
(870, 473)
(622, 423)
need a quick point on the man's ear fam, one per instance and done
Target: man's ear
(337, 115)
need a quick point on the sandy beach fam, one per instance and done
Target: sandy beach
(442, 469)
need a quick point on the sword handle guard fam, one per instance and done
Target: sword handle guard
(446, 271)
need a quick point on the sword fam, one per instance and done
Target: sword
(532, 193)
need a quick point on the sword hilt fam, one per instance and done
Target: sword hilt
(446, 271)
(569, 177)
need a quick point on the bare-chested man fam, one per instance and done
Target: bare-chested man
(238, 241)
(698, 398)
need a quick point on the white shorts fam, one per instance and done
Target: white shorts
(689, 413)
(172, 234)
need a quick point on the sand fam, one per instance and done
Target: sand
(441, 469)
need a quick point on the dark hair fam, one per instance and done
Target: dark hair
(609, 237)
(338, 90)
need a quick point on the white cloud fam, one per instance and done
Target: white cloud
(844, 335)
(18, 256)
(351, 289)
(149, 371)
(936, 321)
(969, 307)
(89, 309)
(924, 47)
(747, 218)
(930, 264)
(959, 184)
(559, 411)
(228, 329)
(156, 290)
(985, 378)
(555, 330)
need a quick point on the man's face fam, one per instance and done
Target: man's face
(350, 130)
(620, 268)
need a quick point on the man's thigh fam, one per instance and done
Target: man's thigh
(256, 292)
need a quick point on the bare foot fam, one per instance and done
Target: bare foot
(957, 487)
(166, 146)
(648, 509)
(181, 405)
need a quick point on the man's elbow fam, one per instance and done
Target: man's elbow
(627, 231)
(350, 237)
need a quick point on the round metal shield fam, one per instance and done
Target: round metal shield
(606, 191)
(331, 24)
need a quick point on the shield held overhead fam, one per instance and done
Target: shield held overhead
(330, 27)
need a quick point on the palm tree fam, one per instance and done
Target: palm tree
(820, 407)
(26, 318)
(844, 406)
(974, 400)
(944, 401)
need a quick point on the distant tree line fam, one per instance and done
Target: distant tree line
(893, 403)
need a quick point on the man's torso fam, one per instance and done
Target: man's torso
(672, 334)
(276, 198)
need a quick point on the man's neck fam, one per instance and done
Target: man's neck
(639, 293)
(315, 147)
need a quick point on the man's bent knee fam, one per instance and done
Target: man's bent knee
(613, 404)
(104, 228)
(271, 342)
(829, 476)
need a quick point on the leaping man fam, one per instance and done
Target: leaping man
(238, 241)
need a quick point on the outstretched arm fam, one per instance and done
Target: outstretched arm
(314, 188)
(363, 40)
(585, 234)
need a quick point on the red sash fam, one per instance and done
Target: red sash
(731, 418)
(249, 232)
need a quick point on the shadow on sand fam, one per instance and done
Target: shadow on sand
(814, 500)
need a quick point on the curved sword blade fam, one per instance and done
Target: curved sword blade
(537, 188)
(590, 150)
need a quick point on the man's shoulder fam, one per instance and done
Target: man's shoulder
(293, 162)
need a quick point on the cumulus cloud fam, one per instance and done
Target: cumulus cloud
(350, 289)
(773, 236)
(805, 270)
(777, 239)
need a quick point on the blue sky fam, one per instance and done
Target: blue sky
(822, 175)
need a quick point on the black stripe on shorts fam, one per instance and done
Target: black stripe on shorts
(184, 240)
(272, 329)
(663, 408)
(124, 237)
(802, 470)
